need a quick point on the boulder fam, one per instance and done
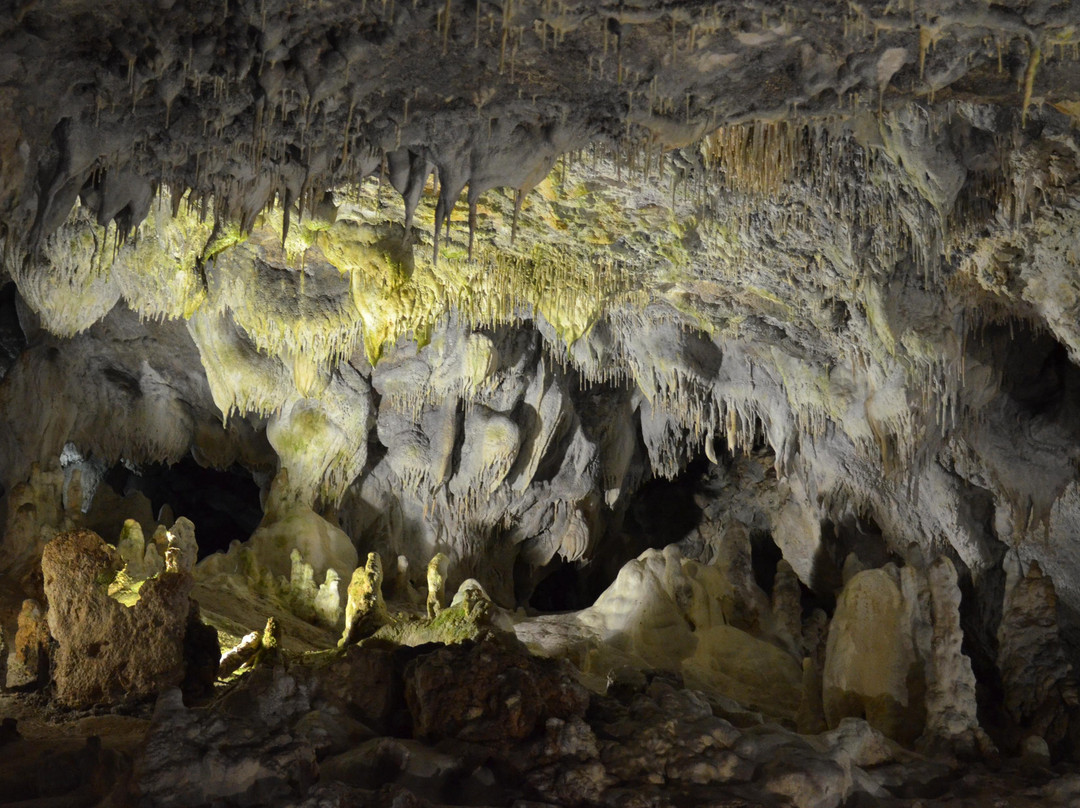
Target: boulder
(488, 692)
(239, 751)
(107, 651)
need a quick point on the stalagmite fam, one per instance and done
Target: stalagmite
(365, 609)
(1038, 680)
(436, 584)
(761, 315)
(951, 708)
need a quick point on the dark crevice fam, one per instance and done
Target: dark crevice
(1036, 372)
(660, 513)
(223, 505)
(664, 511)
(12, 338)
(564, 588)
(764, 556)
(850, 536)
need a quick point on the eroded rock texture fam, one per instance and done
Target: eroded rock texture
(739, 337)
(106, 650)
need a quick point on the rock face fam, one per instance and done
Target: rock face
(35, 514)
(425, 380)
(107, 651)
(668, 612)
(28, 665)
(194, 758)
(1040, 687)
(485, 692)
(790, 292)
(871, 668)
(894, 658)
(952, 719)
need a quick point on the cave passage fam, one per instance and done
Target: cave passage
(223, 504)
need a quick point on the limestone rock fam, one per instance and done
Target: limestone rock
(746, 607)
(132, 548)
(35, 514)
(239, 654)
(951, 709)
(1038, 680)
(894, 658)
(870, 662)
(810, 719)
(28, 663)
(668, 612)
(302, 588)
(806, 781)
(322, 545)
(787, 607)
(106, 651)
(182, 536)
(399, 585)
(485, 692)
(334, 683)
(295, 557)
(755, 673)
(365, 610)
(193, 756)
(666, 732)
(327, 606)
(436, 584)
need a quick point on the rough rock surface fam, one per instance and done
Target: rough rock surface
(236, 753)
(486, 691)
(669, 612)
(870, 662)
(365, 610)
(107, 651)
(28, 664)
(540, 287)
(1040, 687)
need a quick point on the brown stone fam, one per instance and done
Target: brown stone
(488, 692)
(363, 683)
(106, 651)
(29, 664)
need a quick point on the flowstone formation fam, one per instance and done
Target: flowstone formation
(723, 353)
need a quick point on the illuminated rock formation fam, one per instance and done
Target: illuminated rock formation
(112, 645)
(725, 351)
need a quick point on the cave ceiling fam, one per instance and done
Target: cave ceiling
(479, 270)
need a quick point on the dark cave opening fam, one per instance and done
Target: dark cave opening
(223, 504)
(12, 338)
(661, 512)
(664, 511)
(565, 588)
(858, 536)
(764, 556)
(1037, 374)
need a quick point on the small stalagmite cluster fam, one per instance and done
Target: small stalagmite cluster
(539, 403)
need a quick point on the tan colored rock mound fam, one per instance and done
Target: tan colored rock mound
(106, 651)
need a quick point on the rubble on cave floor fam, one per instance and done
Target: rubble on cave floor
(619, 708)
(481, 723)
